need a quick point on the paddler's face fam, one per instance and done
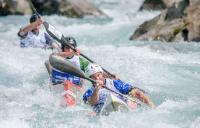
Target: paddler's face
(98, 77)
(37, 28)
(67, 49)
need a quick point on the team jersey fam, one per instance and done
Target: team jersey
(115, 85)
(58, 77)
(31, 39)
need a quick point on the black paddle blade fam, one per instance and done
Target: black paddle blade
(66, 66)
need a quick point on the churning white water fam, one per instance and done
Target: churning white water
(170, 73)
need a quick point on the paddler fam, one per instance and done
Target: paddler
(73, 56)
(61, 79)
(96, 95)
(31, 36)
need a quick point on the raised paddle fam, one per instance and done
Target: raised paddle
(60, 38)
(57, 35)
(66, 66)
(49, 28)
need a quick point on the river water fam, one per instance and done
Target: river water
(169, 72)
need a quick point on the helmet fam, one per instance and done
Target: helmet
(92, 69)
(71, 41)
(33, 18)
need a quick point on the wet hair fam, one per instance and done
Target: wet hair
(33, 18)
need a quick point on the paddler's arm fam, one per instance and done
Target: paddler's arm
(128, 89)
(55, 46)
(93, 100)
(68, 54)
(142, 97)
(23, 31)
(51, 42)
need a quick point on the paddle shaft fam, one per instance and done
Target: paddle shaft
(127, 97)
(65, 42)
(33, 8)
(66, 66)
(113, 76)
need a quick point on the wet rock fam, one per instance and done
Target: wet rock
(169, 3)
(178, 22)
(164, 31)
(193, 17)
(193, 1)
(146, 27)
(71, 8)
(8, 7)
(159, 4)
(153, 5)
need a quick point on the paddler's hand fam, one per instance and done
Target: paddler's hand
(99, 84)
(77, 52)
(97, 87)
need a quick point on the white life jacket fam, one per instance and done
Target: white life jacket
(75, 60)
(104, 92)
(109, 83)
(34, 40)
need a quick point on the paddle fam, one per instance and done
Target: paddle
(64, 65)
(49, 28)
(60, 38)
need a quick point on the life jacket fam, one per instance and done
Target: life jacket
(58, 77)
(34, 40)
(104, 92)
(113, 86)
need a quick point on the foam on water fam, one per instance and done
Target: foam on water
(170, 73)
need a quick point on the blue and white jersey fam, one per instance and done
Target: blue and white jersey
(58, 77)
(31, 39)
(115, 85)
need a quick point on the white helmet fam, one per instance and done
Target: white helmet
(92, 69)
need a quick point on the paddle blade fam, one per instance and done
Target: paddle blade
(56, 34)
(53, 32)
(66, 66)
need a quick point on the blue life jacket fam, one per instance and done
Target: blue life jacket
(58, 77)
(115, 85)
